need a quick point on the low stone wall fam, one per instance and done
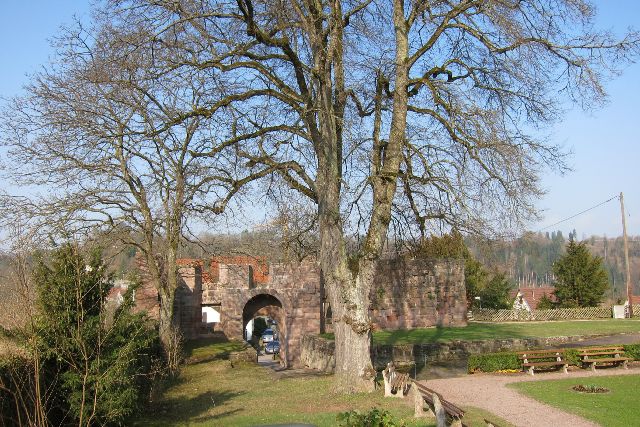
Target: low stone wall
(489, 315)
(318, 353)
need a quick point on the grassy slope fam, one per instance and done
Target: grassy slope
(210, 393)
(620, 407)
(486, 331)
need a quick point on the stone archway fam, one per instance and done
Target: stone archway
(265, 304)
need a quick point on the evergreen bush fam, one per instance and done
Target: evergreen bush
(572, 358)
(98, 365)
(493, 362)
(545, 303)
(581, 279)
(15, 383)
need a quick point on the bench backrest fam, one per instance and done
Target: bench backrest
(542, 354)
(541, 351)
(618, 349)
(427, 395)
(399, 379)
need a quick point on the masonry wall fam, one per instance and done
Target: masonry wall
(406, 294)
(318, 353)
(418, 293)
(188, 301)
(295, 286)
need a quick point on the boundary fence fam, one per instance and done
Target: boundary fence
(490, 315)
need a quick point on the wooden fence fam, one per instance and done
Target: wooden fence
(490, 315)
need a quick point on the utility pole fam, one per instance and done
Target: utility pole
(626, 256)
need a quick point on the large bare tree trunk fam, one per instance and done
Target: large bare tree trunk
(347, 287)
(349, 304)
(349, 283)
(162, 273)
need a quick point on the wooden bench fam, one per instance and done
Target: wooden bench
(396, 384)
(532, 359)
(445, 412)
(603, 356)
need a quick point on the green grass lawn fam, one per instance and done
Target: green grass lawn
(486, 331)
(211, 393)
(620, 407)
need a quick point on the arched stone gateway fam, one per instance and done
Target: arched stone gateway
(265, 304)
(262, 305)
(406, 294)
(290, 294)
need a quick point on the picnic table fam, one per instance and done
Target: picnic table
(532, 359)
(603, 356)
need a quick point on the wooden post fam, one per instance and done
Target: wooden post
(626, 257)
(441, 415)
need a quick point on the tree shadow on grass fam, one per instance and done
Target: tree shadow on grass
(191, 408)
(196, 360)
(210, 349)
(191, 345)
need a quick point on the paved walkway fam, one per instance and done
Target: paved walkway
(489, 391)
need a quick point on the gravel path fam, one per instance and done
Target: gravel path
(489, 391)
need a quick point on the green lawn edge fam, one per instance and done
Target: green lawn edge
(618, 408)
(478, 331)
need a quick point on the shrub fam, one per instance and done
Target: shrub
(633, 351)
(15, 385)
(492, 362)
(496, 292)
(545, 303)
(97, 367)
(373, 418)
(571, 356)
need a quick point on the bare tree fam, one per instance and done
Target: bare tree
(294, 223)
(106, 139)
(420, 114)
(425, 112)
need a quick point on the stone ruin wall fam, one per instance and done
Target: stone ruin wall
(187, 305)
(297, 288)
(418, 293)
(406, 294)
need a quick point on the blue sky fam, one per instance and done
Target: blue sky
(605, 142)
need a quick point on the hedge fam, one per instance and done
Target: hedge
(632, 350)
(492, 362)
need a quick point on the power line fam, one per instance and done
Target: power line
(580, 213)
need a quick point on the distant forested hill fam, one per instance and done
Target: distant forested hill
(528, 259)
